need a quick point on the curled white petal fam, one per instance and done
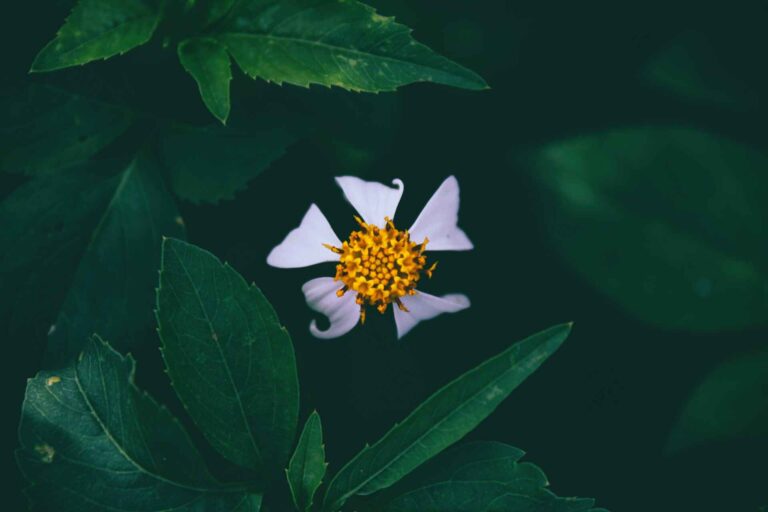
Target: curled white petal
(372, 200)
(304, 245)
(343, 312)
(424, 306)
(439, 219)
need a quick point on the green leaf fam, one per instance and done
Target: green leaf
(98, 29)
(208, 63)
(112, 291)
(332, 43)
(307, 466)
(668, 222)
(230, 360)
(730, 403)
(478, 476)
(47, 129)
(208, 164)
(90, 238)
(443, 418)
(92, 441)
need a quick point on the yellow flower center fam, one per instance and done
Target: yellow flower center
(380, 265)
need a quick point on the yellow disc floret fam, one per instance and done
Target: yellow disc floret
(380, 265)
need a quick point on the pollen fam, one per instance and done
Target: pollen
(380, 265)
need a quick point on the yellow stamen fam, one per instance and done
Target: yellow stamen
(380, 265)
(332, 248)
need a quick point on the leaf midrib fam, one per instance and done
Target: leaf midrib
(425, 434)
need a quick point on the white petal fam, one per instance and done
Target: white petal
(342, 312)
(439, 218)
(372, 200)
(304, 245)
(424, 306)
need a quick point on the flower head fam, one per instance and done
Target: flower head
(378, 264)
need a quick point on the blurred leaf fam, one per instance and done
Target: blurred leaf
(208, 63)
(307, 467)
(92, 441)
(98, 29)
(47, 129)
(208, 164)
(668, 222)
(230, 360)
(478, 476)
(112, 291)
(690, 67)
(444, 418)
(329, 42)
(730, 403)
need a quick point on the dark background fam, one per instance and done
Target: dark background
(597, 416)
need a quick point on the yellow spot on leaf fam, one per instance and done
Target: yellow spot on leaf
(50, 381)
(46, 452)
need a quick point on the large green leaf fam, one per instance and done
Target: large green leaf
(112, 291)
(90, 239)
(307, 466)
(332, 43)
(669, 222)
(208, 164)
(730, 403)
(443, 418)
(478, 476)
(99, 29)
(208, 63)
(230, 360)
(47, 129)
(91, 441)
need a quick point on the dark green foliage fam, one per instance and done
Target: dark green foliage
(47, 129)
(211, 163)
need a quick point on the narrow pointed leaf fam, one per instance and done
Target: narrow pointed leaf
(307, 466)
(112, 291)
(98, 29)
(667, 222)
(92, 441)
(478, 476)
(212, 163)
(333, 43)
(230, 360)
(47, 129)
(444, 418)
(208, 63)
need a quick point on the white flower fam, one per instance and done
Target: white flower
(378, 264)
